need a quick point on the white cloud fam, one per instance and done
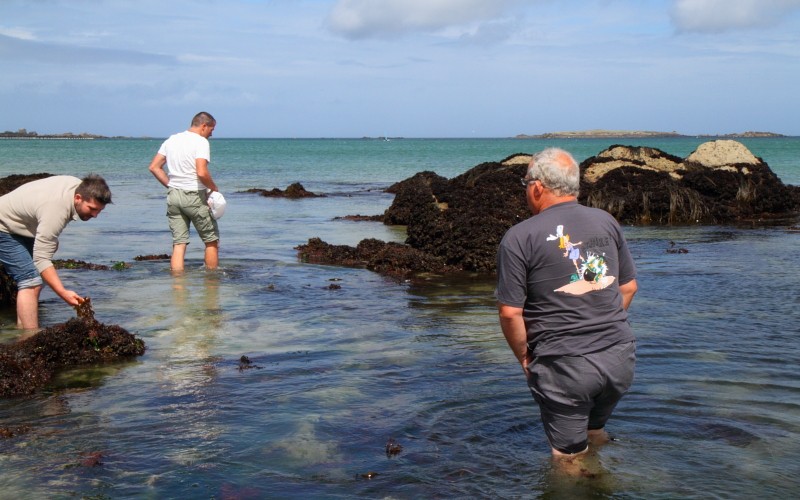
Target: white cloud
(19, 33)
(393, 18)
(715, 16)
(17, 49)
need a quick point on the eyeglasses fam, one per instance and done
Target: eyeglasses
(525, 181)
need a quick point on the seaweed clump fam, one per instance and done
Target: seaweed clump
(295, 190)
(389, 259)
(30, 364)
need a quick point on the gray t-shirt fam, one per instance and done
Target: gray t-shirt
(563, 267)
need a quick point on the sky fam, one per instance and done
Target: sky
(399, 68)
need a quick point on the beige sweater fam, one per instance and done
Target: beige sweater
(40, 209)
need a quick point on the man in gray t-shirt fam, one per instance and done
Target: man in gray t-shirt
(565, 281)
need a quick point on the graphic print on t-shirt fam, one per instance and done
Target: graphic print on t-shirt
(590, 270)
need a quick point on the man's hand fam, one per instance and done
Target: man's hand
(72, 298)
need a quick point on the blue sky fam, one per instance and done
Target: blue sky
(411, 68)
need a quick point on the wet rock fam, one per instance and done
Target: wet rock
(29, 364)
(295, 190)
(451, 224)
(408, 194)
(12, 182)
(720, 182)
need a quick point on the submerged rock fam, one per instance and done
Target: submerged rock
(457, 224)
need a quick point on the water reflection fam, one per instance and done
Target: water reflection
(187, 370)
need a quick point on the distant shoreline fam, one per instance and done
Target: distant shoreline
(578, 134)
(23, 134)
(637, 134)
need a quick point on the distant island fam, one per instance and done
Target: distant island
(628, 134)
(578, 134)
(24, 134)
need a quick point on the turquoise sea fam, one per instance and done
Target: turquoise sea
(714, 411)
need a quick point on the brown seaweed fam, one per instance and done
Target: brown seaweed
(30, 364)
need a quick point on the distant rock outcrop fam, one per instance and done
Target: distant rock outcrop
(637, 134)
(458, 223)
(295, 190)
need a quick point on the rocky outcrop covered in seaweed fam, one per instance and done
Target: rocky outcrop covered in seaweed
(720, 182)
(30, 364)
(457, 224)
(453, 224)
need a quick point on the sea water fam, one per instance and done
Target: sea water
(338, 372)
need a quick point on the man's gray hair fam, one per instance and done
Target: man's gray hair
(557, 170)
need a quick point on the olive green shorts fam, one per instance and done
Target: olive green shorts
(184, 207)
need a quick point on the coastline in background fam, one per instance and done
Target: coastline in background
(587, 134)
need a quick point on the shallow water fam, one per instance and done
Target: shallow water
(336, 373)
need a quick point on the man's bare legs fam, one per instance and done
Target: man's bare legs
(212, 255)
(598, 437)
(28, 308)
(584, 463)
(178, 253)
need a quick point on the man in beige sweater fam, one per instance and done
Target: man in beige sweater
(31, 219)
